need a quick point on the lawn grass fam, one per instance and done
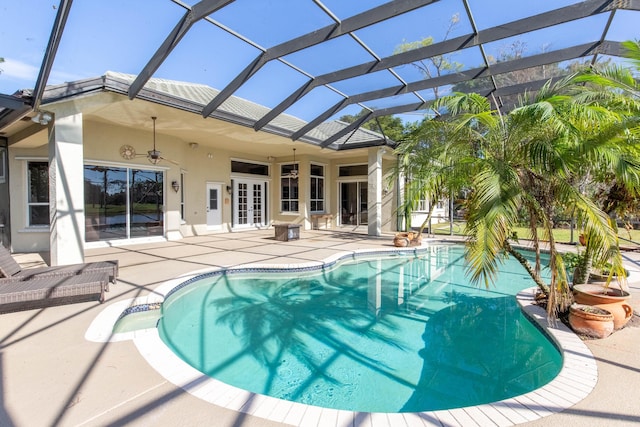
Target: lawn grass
(561, 235)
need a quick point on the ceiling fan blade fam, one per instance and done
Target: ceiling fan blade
(170, 161)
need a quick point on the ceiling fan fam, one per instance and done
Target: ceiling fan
(294, 172)
(154, 156)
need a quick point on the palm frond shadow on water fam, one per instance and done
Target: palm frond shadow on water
(279, 319)
(461, 366)
(274, 323)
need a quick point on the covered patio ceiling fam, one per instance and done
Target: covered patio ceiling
(311, 59)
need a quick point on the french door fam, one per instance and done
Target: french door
(249, 203)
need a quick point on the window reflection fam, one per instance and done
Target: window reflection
(121, 203)
(38, 202)
(146, 203)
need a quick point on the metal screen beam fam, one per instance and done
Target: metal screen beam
(371, 115)
(12, 103)
(362, 20)
(50, 53)
(608, 48)
(199, 11)
(532, 23)
(9, 117)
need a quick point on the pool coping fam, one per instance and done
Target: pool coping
(577, 378)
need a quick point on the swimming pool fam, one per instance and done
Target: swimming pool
(403, 333)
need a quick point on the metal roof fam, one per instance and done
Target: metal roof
(312, 62)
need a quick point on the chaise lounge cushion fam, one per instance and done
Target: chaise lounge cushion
(10, 268)
(18, 293)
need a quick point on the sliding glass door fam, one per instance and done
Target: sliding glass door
(353, 203)
(122, 203)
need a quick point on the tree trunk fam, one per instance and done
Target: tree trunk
(426, 221)
(544, 288)
(583, 269)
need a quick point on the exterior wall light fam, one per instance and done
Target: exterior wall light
(42, 117)
(175, 185)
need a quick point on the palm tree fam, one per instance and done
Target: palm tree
(616, 89)
(527, 161)
(632, 51)
(432, 166)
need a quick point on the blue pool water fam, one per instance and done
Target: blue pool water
(401, 333)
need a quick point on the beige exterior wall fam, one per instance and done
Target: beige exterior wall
(206, 161)
(24, 238)
(389, 197)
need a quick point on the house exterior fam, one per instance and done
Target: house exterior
(94, 167)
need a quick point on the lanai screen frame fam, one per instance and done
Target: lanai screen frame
(12, 108)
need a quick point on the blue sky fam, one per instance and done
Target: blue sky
(121, 35)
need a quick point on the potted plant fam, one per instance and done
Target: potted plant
(602, 273)
(408, 238)
(606, 297)
(602, 295)
(576, 265)
(591, 321)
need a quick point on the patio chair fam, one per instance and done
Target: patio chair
(18, 293)
(9, 268)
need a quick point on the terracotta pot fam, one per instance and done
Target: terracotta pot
(416, 240)
(582, 239)
(591, 321)
(608, 298)
(402, 240)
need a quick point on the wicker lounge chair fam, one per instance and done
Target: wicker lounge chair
(9, 268)
(17, 293)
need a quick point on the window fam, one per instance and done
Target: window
(288, 188)
(353, 170)
(317, 188)
(249, 168)
(3, 165)
(423, 205)
(38, 198)
(182, 193)
(122, 203)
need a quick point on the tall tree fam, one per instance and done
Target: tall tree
(632, 51)
(425, 143)
(391, 127)
(433, 66)
(529, 159)
(516, 50)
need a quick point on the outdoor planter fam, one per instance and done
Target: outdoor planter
(599, 276)
(592, 321)
(611, 299)
(410, 238)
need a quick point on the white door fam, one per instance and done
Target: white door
(214, 206)
(249, 203)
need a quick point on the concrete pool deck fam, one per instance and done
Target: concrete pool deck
(52, 375)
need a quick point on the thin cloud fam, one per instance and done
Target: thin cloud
(18, 70)
(15, 75)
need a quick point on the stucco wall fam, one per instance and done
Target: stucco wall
(24, 238)
(207, 161)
